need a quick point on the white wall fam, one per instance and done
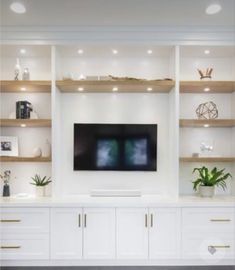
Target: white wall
(114, 108)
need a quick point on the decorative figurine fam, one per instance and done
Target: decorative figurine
(6, 179)
(207, 110)
(17, 69)
(26, 75)
(37, 152)
(206, 74)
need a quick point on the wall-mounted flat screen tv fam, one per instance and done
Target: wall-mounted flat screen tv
(115, 147)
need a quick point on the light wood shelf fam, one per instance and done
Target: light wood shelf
(211, 122)
(199, 86)
(25, 122)
(25, 159)
(207, 159)
(25, 86)
(125, 86)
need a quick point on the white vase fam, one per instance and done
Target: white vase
(205, 191)
(37, 152)
(40, 191)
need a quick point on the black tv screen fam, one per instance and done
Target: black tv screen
(115, 147)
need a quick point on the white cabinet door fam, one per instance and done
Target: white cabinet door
(66, 233)
(164, 234)
(99, 233)
(132, 233)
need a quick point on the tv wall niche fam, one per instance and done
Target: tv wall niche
(115, 147)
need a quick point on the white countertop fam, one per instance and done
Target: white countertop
(143, 201)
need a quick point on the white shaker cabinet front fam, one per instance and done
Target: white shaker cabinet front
(99, 233)
(164, 233)
(66, 233)
(132, 233)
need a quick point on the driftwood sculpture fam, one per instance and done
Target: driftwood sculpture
(207, 110)
(206, 74)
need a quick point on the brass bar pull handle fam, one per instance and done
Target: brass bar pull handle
(10, 247)
(151, 220)
(146, 221)
(220, 220)
(85, 221)
(10, 220)
(79, 220)
(219, 246)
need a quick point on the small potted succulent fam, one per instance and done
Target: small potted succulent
(208, 180)
(40, 183)
(6, 179)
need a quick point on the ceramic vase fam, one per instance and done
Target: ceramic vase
(205, 191)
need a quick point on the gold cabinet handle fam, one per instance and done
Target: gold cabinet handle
(146, 221)
(10, 247)
(85, 221)
(79, 220)
(151, 220)
(219, 246)
(10, 220)
(220, 220)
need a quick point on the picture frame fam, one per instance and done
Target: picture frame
(9, 146)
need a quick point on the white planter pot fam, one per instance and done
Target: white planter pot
(206, 191)
(40, 191)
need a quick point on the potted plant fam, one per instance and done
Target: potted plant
(40, 184)
(6, 179)
(208, 180)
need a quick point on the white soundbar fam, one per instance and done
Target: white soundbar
(115, 193)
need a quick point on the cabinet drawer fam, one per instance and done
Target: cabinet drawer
(24, 220)
(24, 247)
(208, 246)
(219, 219)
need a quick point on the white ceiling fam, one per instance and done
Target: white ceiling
(118, 13)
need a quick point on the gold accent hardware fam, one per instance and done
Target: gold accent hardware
(85, 220)
(10, 247)
(220, 220)
(151, 220)
(146, 220)
(79, 220)
(214, 246)
(10, 220)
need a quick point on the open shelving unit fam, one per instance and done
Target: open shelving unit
(124, 86)
(25, 86)
(25, 122)
(200, 86)
(207, 123)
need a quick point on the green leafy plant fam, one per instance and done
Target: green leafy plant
(211, 178)
(39, 181)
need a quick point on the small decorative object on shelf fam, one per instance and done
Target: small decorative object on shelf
(195, 155)
(9, 146)
(17, 69)
(6, 180)
(207, 110)
(208, 180)
(206, 147)
(26, 75)
(23, 109)
(82, 77)
(40, 183)
(37, 152)
(113, 78)
(68, 76)
(48, 149)
(205, 74)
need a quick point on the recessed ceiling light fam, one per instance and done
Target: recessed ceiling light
(213, 9)
(207, 89)
(149, 89)
(80, 51)
(149, 51)
(22, 51)
(207, 51)
(18, 7)
(206, 125)
(23, 125)
(115, 51)
(80, 89)
(115, 89)
(23, 89)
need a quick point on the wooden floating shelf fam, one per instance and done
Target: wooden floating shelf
(25, 122)
(25, 159)
(207, 159)
(214, 86)
(125, 86)
(210, 123)
(25, 86)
